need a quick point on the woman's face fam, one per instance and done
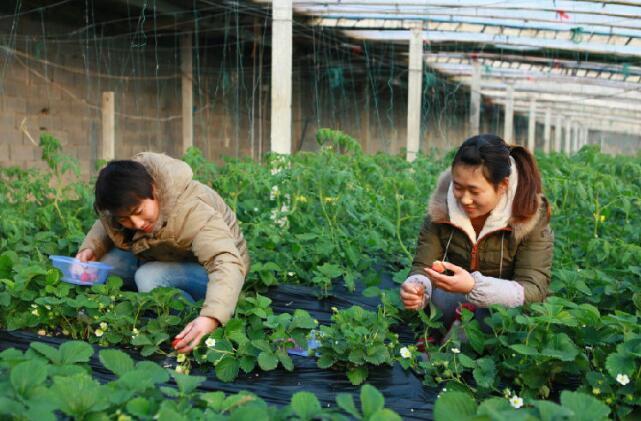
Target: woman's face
(474, 193)
(141, 217)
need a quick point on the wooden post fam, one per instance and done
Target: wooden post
(475, 99)
(509, 115)
(558, 133)
(108, 126)
(531, 132)
(187, 91)
(281, 77)
(414, 92)
(546, 131)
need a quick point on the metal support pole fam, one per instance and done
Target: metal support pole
(414, 87)
(547, 130)
(281, 106)
(531, 132)
(509, 115)
(558, 133)
(475, 99)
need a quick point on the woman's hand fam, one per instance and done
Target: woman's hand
(194, 331)
(461, 281)
(86, 255)
(412, 295)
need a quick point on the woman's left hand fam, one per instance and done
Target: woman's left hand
(461, 281)
(194, 331)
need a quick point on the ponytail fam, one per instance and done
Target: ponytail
(526, 200)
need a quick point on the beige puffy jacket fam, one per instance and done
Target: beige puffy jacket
(194, 224)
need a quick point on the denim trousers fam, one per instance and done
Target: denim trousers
(448, 302)
(189, 277)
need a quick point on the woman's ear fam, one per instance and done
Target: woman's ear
(503, 185)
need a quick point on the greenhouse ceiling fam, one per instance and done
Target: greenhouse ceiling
(582, 58)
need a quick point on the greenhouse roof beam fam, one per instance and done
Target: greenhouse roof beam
(445, 21)
(526, 43)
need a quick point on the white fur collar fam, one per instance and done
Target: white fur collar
(499, 218)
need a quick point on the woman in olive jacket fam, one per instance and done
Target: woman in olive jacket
(489, 223)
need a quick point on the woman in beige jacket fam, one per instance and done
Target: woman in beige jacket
(160, 228)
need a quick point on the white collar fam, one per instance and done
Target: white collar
(498, 217)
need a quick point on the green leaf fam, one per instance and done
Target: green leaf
(524, 349)
(267, 361)
(261, 344)
(385, 415)
(454, 406)
(620, 363)
(325, 361)
(466, 361)
(550, 411)
(357, 375)
(560, 346)
(247, 363)
(116, 361)
(285, 360)
(187, 384)
(227, 369)
(302, 320)
(141, 408)
(48, 351)
(306, 405)
(27, 375)
(75, 352)
(371, 400)
(485, 372)
(78, 395)
(346, 402)
(214, 400)
(584, 406)
(154, 372)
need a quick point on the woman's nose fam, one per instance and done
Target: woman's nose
(137, 222)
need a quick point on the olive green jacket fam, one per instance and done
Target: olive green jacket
(194, 224)
(520, 252)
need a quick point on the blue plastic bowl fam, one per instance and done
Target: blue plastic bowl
(76, 272)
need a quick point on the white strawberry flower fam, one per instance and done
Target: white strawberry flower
(99, 332)
(516, 402)
(210, 342)
(35, 312)
(405, 352)
(623, 379)
(104, 325)
(456, 351)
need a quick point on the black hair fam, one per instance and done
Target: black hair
(493, 154)
(122, 185)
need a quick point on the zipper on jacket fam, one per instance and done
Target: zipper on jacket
(474, 264)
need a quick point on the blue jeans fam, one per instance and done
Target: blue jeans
(189, 277)
(448, 302)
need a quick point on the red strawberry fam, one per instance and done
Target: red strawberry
(85, 277)
(438, 266)
(174, 343)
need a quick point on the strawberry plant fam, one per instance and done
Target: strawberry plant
(356, 339)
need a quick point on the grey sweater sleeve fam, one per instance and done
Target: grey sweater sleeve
(488, 291)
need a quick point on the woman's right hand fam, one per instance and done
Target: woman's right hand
(86, 255)
(413, 295)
